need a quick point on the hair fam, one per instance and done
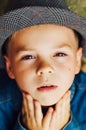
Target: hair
(4, 48)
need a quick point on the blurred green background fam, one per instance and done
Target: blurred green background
(78, 6)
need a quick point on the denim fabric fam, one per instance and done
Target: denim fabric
(11, 101)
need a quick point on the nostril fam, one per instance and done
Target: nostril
(50, 71)
(41, 72)
(44, 72)
(44, 69)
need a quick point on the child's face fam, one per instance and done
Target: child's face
(44, 60)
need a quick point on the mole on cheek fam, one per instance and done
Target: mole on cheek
(69, 69)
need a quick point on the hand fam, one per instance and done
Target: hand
(63, 111)
(32, 116)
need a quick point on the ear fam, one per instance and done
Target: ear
(9, 67)
(78, 60)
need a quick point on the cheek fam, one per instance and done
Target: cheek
(70, 71)
(70, 65)
(69, 77)
(24, 83)
(66, 75)
(67, 67)
(72, 68)
(23, 77)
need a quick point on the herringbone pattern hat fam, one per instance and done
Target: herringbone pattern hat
(34, 12)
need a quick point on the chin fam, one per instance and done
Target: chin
(48, 104)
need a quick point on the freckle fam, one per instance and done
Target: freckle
(69, 69)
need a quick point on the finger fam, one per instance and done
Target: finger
(47, 119)
(24, 111)
(60, 111)
(67, 94)
(38, 113)
(58, 108)
(24, 105)
(66, 105)
(63, 110)
(30, 106)
(63, 105)
(53, 122)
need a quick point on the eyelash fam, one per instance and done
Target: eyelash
(60, 54)
(28, 57)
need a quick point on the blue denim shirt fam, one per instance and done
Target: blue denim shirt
(11, 101)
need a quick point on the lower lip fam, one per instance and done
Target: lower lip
(42, 89)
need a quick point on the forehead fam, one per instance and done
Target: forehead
(44, 33)
(43, 28)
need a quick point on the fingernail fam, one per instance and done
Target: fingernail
(50, 109)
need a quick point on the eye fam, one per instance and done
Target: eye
(28, 57)
(60, 54)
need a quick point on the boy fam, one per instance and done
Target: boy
(42, 51)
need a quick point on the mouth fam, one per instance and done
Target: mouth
(47, 88)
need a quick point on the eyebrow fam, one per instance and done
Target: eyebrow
(22, 48)
(63, 45)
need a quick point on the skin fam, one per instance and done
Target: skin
(55, 119)
(44, 55)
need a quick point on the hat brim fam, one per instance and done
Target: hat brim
(29, 16)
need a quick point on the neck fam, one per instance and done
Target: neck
(45, 109)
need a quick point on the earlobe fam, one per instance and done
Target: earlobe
(78, 60)
(8, 67)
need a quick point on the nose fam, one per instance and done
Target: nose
(44, 68)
